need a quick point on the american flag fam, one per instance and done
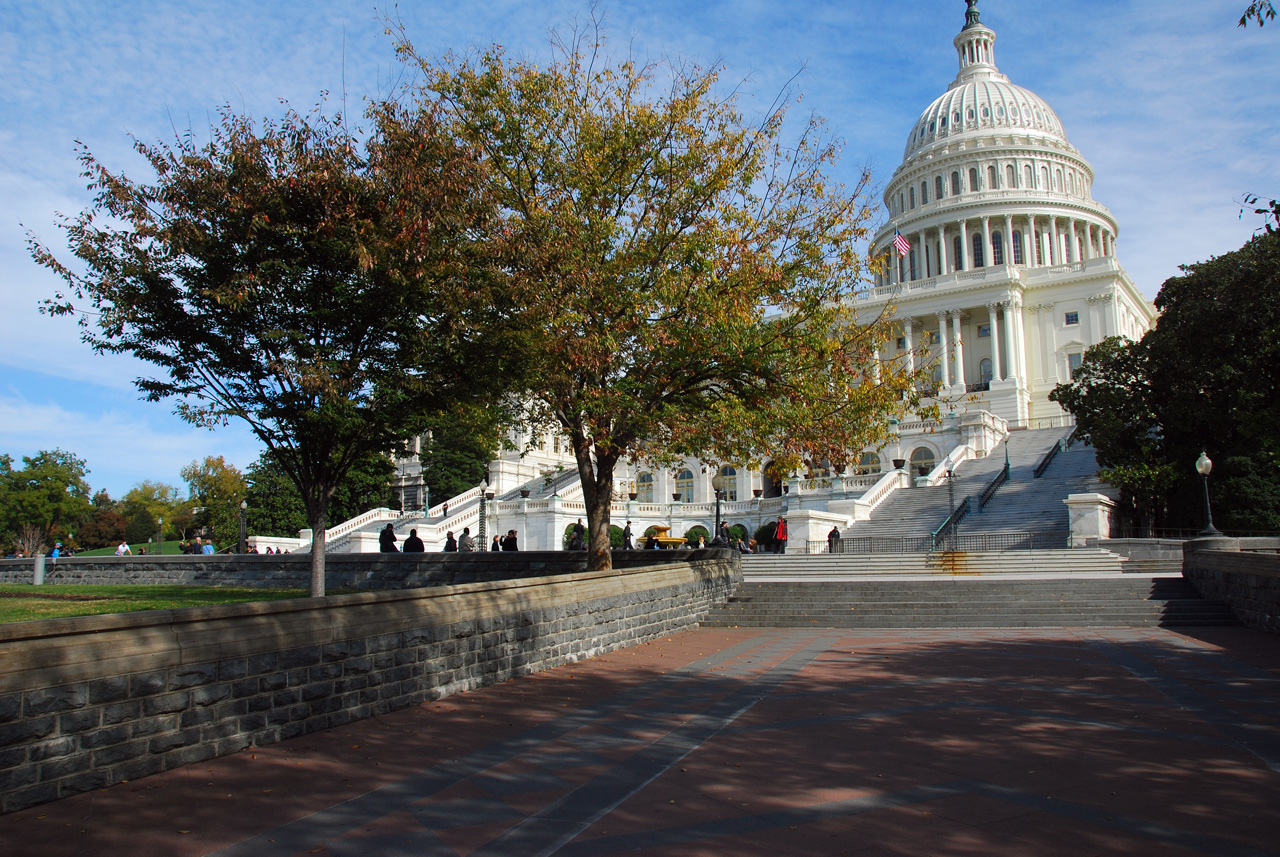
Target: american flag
(902, 245)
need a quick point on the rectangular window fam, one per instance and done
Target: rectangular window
(902, 343)
(1072, 318)
(933, 337)
(1073, 363)
(984, 330)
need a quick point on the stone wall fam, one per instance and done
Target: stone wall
(1243, 573)
(377, 571)
(91, 701)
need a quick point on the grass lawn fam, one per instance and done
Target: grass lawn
(20, 602)
(168, 547)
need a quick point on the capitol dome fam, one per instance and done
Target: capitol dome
(983, 104)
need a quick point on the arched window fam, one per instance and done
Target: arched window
(956, 247)
(997, 248)
(984, 370)
(1017, 247)
(922, 460)
(911, 192)
(1057, 179)
(901, 205)
(973, 180)
(1010, 176)
(937, 185)
(684, 485)
(772, 480)
(730, 482)
(911, 255)
(924, 193)
(644, 488)
(992, 183)
(977, 250)
(868, 463)
(955, 183)
(1044, 178)
(1030, 181)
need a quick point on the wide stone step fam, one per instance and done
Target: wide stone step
(1120, 601)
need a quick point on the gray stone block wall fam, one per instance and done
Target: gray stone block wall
(71, 721)
(1247, 581)
(342, 571)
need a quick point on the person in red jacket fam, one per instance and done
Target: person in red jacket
(780, 537)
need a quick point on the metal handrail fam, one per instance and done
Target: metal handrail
(993, 486)
(1044, 540)
(1060, 444)
(948, 527)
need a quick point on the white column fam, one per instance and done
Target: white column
(946, 349)
(1008, 240)
(911, 352)
(955, 330)
(961, 262)
(1073, 253)
(1027, 254)
(1055, 245)
(1020, 353)
(987, 259)
(1010, 342)
(946, 251)
(1088, 241)
(997, 371)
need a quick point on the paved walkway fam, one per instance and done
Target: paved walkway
(772, 742)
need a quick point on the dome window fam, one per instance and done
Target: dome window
(973, 180)
(997, 248)
(957, 249)
(1017, 247)
(924, 193)
(969, 114)
(942, 123)
(955, 118)
(931, 127)
(977, 251)
(937, 185)
(999, 111)
(986, 112)
(992, 178)
(1010, 176)
(955, 183)
(911, 192)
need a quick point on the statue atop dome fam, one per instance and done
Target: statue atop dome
(971, 15)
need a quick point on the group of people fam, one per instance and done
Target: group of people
(465, 543)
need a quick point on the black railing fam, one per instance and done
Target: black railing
(1060, 444)
(980, 387)
(944, 536)
(1046, 540)
(993, 486)
(1162, 533)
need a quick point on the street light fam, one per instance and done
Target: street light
(485, 496)
(160, 535)
(717, 482)
(1203, 466)
(244, 532)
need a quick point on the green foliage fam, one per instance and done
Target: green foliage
(691, 535)
(218, 488)
(276, 507)
(685, 276)
(457, 454)
(106, 528)
(737, 531)
(324, 286)
(44, 501)
(141, 526)
(1203, 379)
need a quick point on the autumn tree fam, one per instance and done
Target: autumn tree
(217, 488)
(687, 274)
(322, 285)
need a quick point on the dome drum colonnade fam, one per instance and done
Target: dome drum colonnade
(995, 202)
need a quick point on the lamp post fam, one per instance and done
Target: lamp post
(485, 496)
(951, 503)
(717, 483)
(244, 530)
(1203, 466)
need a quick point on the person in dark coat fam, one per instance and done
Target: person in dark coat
(413, 544)
(510, 543)
(497, 544)
(833, 540)
(626, 537)
(450, 543)
(387, 540)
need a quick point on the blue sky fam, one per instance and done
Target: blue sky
(1177, 109)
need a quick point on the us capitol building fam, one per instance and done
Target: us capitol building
(1003, 272)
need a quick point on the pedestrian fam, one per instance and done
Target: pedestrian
(651, 543)
(57, 550)
(626, 537)
(497, 544)
(726, 538)
(579, 530)
(833, 540)
(209, 549)
(195, 548)
(510, 543)
(413, 544)
(780, 536)
(445, 510)
(387, 540)
(466, 543)
(123, 550)
(450, 543)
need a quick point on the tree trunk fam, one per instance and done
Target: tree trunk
(597, 493)
(319, 523)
